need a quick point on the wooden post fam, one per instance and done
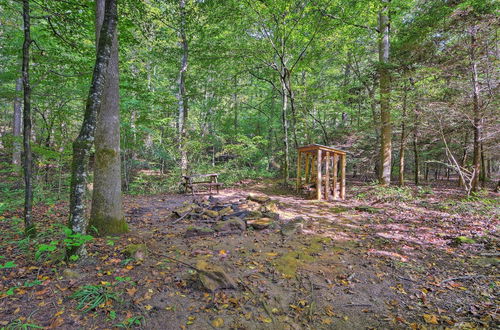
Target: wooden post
(342, 176)
(307, 159)
(318, 177)
(335, 171)
(327, 175)
(299, 177)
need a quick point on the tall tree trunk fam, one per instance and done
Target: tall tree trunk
(284, 123)
(291, 97)
(235, 104)
(483, 167)
(385, 91)
(463, 161)
(181, 96)
(415, 149)
(29, 226)
(403, 140)
(476, 158)
(376, 127)
(106, 211)
(17, 124)
(85, 139)
(415, 155)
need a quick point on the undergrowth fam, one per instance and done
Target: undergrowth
(90, 297)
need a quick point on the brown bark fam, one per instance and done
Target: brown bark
(29, 226)
(403, 140)
(463, 161)
(385, 90)
(415, 155)
(17, 124)
(83, 143)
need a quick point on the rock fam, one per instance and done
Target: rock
(261, 223)
(293, 226)
(211, 213)
(368, 209)
(180, 211)
(69, 274)
(253, 215)
(213, 277)
(258, 199)
(239, 214)
(136, 251)
(232, 224)
(272, 215)
(464, 240)
(198, 231)
(269, 207)
(251, 206)
(226, 211)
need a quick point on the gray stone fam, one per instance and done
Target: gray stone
(69, 274)
(261, 223)
(258, 199)
(231, 224)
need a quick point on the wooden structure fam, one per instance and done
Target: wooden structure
(322, 164)
(205, 180)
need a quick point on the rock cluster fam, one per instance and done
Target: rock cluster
(210, 216)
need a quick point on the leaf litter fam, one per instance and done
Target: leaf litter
(346, 265)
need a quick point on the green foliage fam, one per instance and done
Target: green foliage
(75, 239)
(424, 190)
(90, 297)
(8, 264)
(68, 240)
(45, 250)
(21, 325)
(387, 193)
(132, 322)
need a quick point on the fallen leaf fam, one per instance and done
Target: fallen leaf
(131, 291)
(430, 318)
(56, 323)
(218, 322)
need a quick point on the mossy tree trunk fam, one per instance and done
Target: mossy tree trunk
(29, 226)
(106, 211)
(83, 143)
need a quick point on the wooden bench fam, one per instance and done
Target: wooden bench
(205, 180)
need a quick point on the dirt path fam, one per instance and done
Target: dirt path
(370, 262)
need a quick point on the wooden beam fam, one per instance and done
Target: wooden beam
(318, 177)
(335, 171)
(327, 175)
(307, 159)
(313, 148)
(342, 176)
(299, 177)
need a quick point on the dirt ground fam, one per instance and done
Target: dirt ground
(384, 258)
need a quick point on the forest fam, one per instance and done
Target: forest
(239, 164)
